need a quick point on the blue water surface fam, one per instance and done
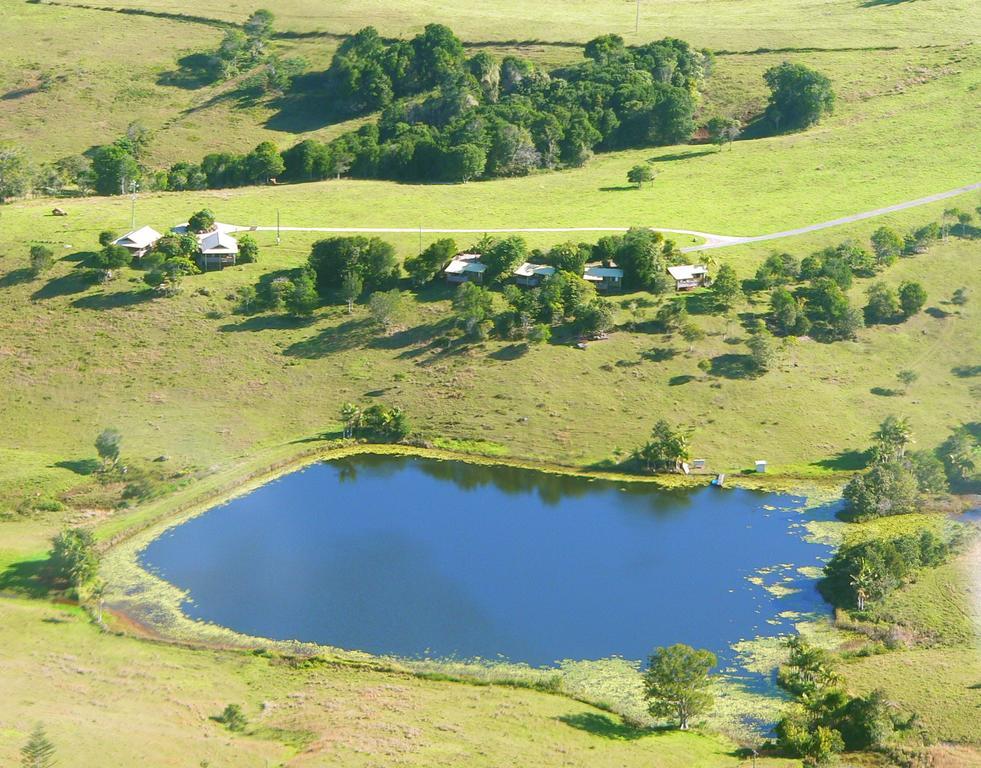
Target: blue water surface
(419, 557)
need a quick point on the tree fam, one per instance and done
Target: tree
(540, 333)
(74, 558)
(428, 264)
(42, 259)
(38, 752)
(889, 488)
(113, 257)
(248, 250)
(385, 307)
(723, 130)
(675, 683)
(959, 297)
(961, 455)
(503, 256)
(887, 244)
(301, 299)
(114, 168)
(233, 718)
(725, 287)
(891, 438)
(593, 317)
(912, 297)
(107, 237)
(907, 377)
(761, 350)
(691, 333)
(351, 418)
(666, 449)
(15, 172)
(263, 163)
(371, 259)
(473, 305)
(247, 299)
(799, 96)
(640, 173)
(883, 305)
(351, 288)
(107, 444)
(778, 269)
(202, 221)
(929, 471)
(259, 25)
(787, 313)
(464, 162)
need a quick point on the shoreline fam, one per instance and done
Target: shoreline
(141, 604)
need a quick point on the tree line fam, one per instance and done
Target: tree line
(442, 116)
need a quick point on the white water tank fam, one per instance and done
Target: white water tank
(761, 465)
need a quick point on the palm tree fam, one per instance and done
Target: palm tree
(351, 416)
(892, 437)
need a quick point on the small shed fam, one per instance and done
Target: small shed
(465, 268)
(532, 275)
(604, 278)
(761, 465)
(139, 241)
(688, 276)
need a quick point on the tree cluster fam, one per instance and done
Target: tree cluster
(824, 720)
(377, 422)
(666, 449)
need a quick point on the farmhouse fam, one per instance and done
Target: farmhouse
(216, 247)
(604, 278)
(532, 275)
(139, 241)
(465, 267)
(688, 276)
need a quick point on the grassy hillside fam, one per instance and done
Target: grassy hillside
(190, 379)
(111, 700)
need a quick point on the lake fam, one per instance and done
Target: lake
(418, 557)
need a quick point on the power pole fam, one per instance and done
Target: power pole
(277, 226)
(132, 188)
(637, 20)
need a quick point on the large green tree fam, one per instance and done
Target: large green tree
(799, 96)
(676, 683)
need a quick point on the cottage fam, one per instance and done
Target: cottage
(139, 241)
(688, 276)
(217, 249)
(604, 278)
(465, 268)
(532, 275)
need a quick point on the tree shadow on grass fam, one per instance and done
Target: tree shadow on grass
(25, 577)
(80, 466)
(677, 381)
(257, 323)
(966, 371)
(605, 726)
(845, 461)
(16, 277)
(510, 352)
(622, 188)
(885, 392)
(352, 334)
(117, 300)
(700, 303)
(425, 334)
(66, 285)
(193, 71)
(306, 107)
(936, 313)
(732, 366)
(687, 155)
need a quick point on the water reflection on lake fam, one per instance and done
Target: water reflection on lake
(410, 556)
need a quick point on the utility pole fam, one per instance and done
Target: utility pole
(277, 226)
(133, 186)
(637, 20)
